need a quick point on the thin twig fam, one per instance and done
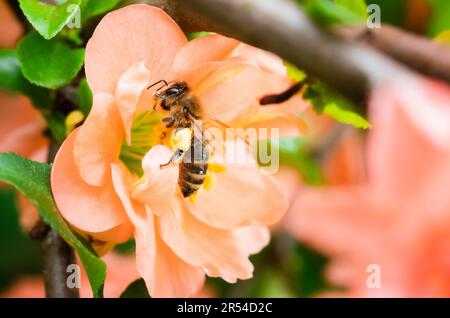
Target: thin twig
(419, 53)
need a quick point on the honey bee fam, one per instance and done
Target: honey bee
(192, 148)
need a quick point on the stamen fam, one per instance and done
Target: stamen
(216, 167)
(145, 133)
(193, 197)
(210, 181)
(73, 120)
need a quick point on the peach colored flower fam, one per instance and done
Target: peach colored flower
(399, 218)
(107, 180)
(10, 29)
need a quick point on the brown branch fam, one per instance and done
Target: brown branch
(57, 255)
(185, 18)
(281, 26)
(419, 53)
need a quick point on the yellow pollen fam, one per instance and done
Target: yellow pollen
(193, 198)
(216, 167)
(182, 139)
(209, 182)
(72, 120)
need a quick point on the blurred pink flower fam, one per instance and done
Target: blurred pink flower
(103, 194)
(399, 219)
(10, 28)
(22, 132)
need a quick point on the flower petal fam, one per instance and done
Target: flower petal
(22, 127)
(344, 163)
(267, 61)
(129, 35)
(172, 277)
(165, 274)
(128, 92)
(392, 170)
(220, 252)
(254, 238)
(232, 91)
(242, 195)
(89, 208)
(425, 102)
(330, 219)
(10, 28)
(282, 117)
(29, 214)
(209, 48)
(159, 185)
(98, 141)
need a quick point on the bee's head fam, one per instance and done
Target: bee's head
(171, 94)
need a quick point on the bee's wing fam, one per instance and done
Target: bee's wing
(212, 124)
(210, 127)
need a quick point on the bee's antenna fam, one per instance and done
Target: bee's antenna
(160, 81)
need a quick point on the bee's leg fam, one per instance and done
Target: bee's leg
(169, 120)
(182, 142)
(177, 155)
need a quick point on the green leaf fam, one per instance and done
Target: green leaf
(49, 19)
(197, 35)
(11, 79)
(393, 11)
(136, 289)
(49, 64)
(346, 116)
(327, 102)
(57, 125)
(443, 37)
(357, 7)
(440, 20)
(293, 72)
(20, 255)
(127, 248)
(274, 285)
(331, 12)
(33, 180)
(92, 8)
(84, 97)
(310, 267)
(295, 152)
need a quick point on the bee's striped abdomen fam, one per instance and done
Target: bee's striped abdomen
(193, 168)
